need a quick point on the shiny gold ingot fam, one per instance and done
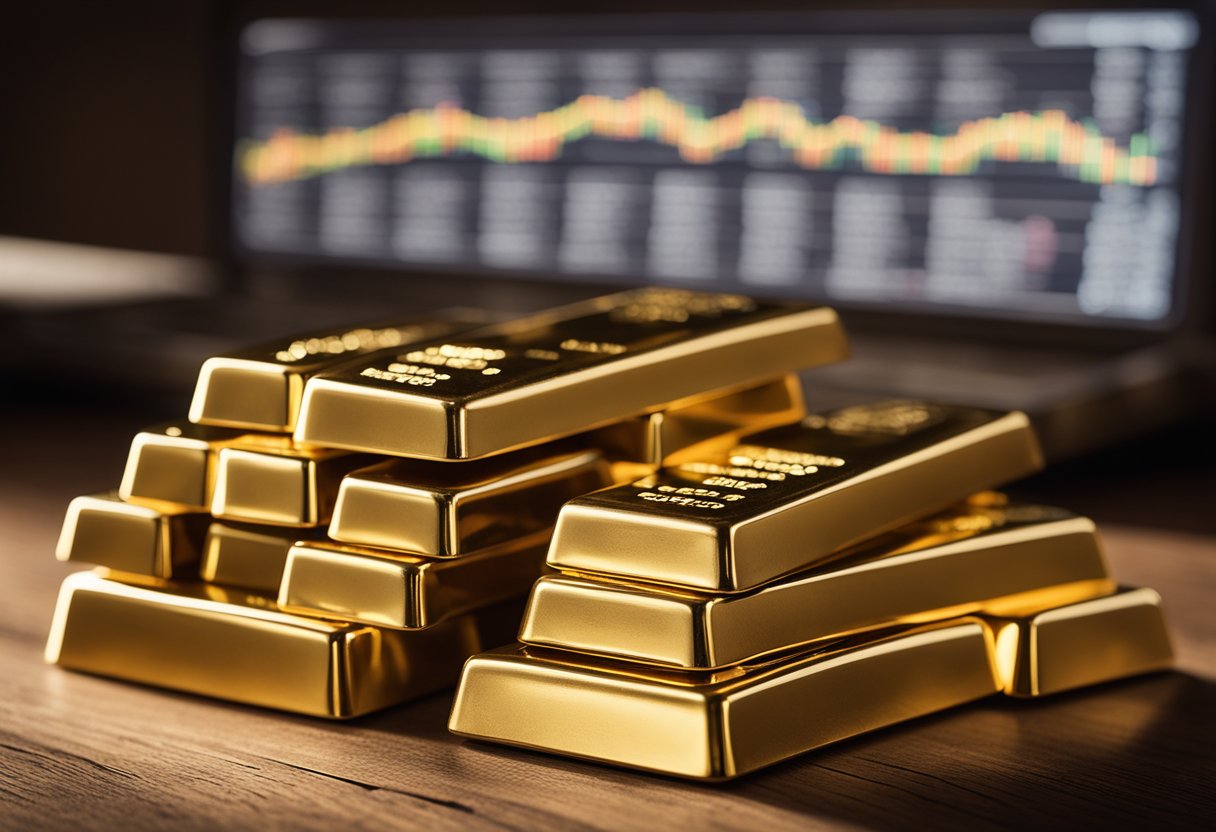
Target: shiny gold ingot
(175, 463)
(561, 372)
(432, 507)
(437, 508)
(967, 560)
(1048, 650)
(260, 387)
(719, 725)
(206, 640)
(639, 445)
(274, 481)
(248, 557)
(351, 583)
(157, 539)
(792, 497)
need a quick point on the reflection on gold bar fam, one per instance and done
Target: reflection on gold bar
(274, 481)
(437, 508)
(722, 724)
(248, 557)
(562, 372)
(791, 497)
(964, 561)
(174, 463)
(206, 640)
(687, 431)
(157, 539)
(1049, 650)
(431, 507)
(260, 387)
(351, 583)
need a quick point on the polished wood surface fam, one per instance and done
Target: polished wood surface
(89, 753)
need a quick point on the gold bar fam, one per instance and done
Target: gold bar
(175, 463)
(248, 557)
(723, 724)
(687, 431)
(437, 508)
(432, 507)
(793, 496)
(260, 387)
(161, 540)
(968, 560)
(562, 372)
(206, 640)
(1052, 649)
(351, 583)
(275, 481)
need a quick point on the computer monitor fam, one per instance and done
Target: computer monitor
(990, 164)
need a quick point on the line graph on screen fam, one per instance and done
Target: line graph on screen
(1077, 147)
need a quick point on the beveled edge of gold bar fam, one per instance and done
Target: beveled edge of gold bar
(1043, 650)
(823, 521)
(400, 591)
(166, 542)
(255, 566)
(181, 439)
(686, 371)
(732, 724)
(358, 669)
(419, 507)
(260, 387)
(297, 484)
(266, 392)
(553, 408)
(867, 588)
(686, 430)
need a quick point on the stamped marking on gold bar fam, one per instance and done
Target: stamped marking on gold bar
(260, 387)
(790, 497)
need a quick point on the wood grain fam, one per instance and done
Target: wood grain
(89, 753)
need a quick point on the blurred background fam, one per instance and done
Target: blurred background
(1010, 205)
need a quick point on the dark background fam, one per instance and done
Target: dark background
(106, 111)
(110, 111)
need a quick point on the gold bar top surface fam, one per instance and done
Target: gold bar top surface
(231, 645)
(562, 372)
(970, 559)
(723, 724)
(260, 387)
(791, 497)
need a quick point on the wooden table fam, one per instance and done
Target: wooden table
(86, 753)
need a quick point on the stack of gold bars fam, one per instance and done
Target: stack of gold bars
(347, 518)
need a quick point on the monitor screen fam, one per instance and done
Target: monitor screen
(981, 163)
